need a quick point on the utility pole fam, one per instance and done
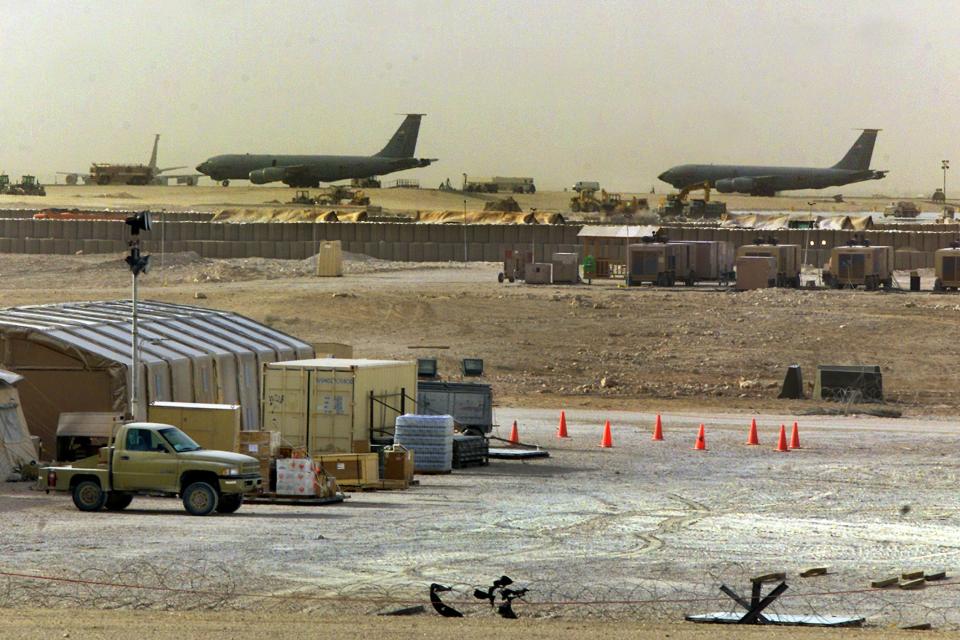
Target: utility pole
(944, 164)
(138, 264)
(464, 229)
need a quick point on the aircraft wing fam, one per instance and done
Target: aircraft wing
(170, 169)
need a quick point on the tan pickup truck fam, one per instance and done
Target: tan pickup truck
(156, 459)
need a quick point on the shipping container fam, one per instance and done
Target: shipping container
(337, 405)
(788, 260)
(853, 266)
(661, 263)
(212, 426)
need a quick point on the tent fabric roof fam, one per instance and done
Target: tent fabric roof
(103, 328)
(619, 231)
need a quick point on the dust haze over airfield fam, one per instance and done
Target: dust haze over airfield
(562, 91)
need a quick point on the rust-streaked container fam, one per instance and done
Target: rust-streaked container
(337, 405)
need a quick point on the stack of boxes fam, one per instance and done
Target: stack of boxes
(263, 446)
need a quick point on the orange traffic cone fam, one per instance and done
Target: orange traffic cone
(795, 436)
(752, 438)
(606, 441)
(562, 429)
(701, 439)
(514, 434)
(658, 429)
(782, 442)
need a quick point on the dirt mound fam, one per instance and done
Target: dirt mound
(123, 195)
(288, 215)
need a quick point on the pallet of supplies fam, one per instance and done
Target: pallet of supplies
(351, 469)
(296, 477)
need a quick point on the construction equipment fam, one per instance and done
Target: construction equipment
(938, 196)
(335, 194)
(303, 197)
(585, 201)
(4, 183)
(673, 204)
(365, 183)
(28, 186)
(359, 199)
(902, 209)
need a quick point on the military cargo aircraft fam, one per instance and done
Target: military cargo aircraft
(310, 171)
(767, 181)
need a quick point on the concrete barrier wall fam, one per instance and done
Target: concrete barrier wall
(413, 242)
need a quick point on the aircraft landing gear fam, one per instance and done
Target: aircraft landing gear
(225, 183)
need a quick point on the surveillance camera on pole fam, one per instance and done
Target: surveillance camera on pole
(138, 264)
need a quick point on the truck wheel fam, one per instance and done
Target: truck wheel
(88, 496)
(230, 503)
(200, 499)
(225, 183)
(118, 501)
(500, 278)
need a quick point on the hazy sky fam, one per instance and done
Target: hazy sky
(562, 91)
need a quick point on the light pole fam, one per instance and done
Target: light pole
(944, 164)
(138, 264)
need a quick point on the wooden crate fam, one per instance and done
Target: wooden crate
(351, 468)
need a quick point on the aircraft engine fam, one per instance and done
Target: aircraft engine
(270, 174)
(724, 186)
(743, 185)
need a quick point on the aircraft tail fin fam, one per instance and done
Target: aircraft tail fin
(859, 155)
(153, 156)
(403, 144)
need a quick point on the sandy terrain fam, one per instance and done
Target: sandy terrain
(120, 625)
(589, 346)
(212, 198)
(653, 524)
(644, 531)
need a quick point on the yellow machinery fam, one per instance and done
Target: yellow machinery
(610, 203)
(672, 204)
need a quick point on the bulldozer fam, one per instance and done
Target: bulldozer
(28, 186)
(673, 205)
(359, 199)
(334, 194)
(303, 197)
(585, 201)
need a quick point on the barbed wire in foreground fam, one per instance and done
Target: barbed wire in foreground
(657, 597)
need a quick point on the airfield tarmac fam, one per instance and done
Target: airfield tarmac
(215, 198)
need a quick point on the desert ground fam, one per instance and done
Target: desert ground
(215, 198)
(644, 532)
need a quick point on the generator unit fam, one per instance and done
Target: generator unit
(860, 265)
(711, 259)
(661, 263)
(947, 264)
(787, 255)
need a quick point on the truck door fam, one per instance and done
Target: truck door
(144, 461)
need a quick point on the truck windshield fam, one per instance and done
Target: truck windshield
(179, 440)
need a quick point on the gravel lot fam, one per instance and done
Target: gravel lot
(645, 521)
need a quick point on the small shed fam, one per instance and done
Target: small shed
(76, 357)
(607, 246)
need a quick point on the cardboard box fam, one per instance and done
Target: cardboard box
(397, 463)
(262, 445)
(295, 477)
(351, 468)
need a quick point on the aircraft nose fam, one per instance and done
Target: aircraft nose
(665, 176)
(202, 167)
